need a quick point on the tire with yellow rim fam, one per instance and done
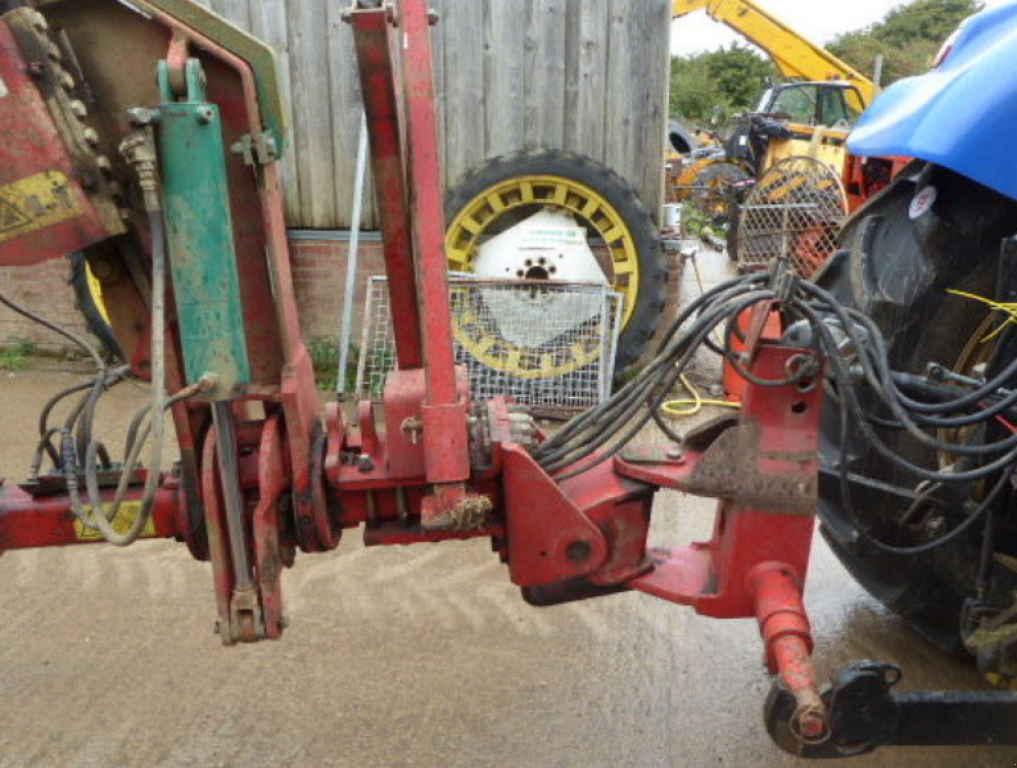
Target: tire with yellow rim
(506, 190)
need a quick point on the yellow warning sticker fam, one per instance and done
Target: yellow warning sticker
(128, 513)
(36, 202)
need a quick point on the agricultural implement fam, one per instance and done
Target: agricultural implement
(147, 134)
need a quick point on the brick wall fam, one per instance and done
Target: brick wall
(319, 278)
(42, 289)
(319, 274)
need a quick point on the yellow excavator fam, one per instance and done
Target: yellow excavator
(810, 114)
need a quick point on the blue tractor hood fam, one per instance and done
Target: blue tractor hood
(961, 115)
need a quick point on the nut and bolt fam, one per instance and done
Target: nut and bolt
(39, 23)
(413, 428)
(139, 117)
(78, 109)
(91, 136)
(205, 115)
(66, 81)
(103, 163)
(365, 463)
(675, 455)
(578, 551)
(936, 527)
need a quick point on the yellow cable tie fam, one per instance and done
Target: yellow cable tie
(685, 407)
(996, 306)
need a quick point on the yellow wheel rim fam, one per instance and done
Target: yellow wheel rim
(483, 212)
(976, 351)
(95, 288)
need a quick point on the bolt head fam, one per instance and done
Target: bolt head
(365, 463)
(140, 116)
(206, 115)
(578, 551)
(936, 527)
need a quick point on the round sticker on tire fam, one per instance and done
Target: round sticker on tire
(923, 202)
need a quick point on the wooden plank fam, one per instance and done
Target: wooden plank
(622, 70)
(347, 109)
(308, 28)
(653, 107)
(269, 23)
(636, 104)
(544, 69)
(237, 11)
(586, 76)
(504, 80)
(465, 100)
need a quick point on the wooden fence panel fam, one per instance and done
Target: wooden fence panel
(463, 29)
(544, 66)
(504, 40)
(269, 22)
(585, 75)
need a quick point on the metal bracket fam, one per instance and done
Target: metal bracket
(259, 149)
(864, 714)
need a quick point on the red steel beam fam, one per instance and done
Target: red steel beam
(379, 85)
(446, 448)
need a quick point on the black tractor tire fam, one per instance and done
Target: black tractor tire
(88, 306)
(897, 269)
(652, 287)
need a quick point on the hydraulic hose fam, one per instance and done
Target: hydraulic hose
(102, 515)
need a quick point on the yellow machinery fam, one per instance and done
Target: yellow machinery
(809, 117)
(795, 56)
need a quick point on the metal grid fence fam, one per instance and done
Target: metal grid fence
(794, 212)
(548, 345)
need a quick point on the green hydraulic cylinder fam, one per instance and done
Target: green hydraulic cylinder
(199, 234)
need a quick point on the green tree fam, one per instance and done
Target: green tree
(908, 37)
(731, 78)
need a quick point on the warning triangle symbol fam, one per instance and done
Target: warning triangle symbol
(11, 216)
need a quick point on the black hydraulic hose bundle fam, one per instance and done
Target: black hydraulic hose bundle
(602, 432)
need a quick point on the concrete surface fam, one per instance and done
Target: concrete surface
(422, 656)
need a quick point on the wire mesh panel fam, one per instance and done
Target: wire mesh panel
(549, 345)
(794, 212)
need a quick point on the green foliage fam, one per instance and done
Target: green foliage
(731, 79)
(14, 357)
(908, 37)
(325, 359)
